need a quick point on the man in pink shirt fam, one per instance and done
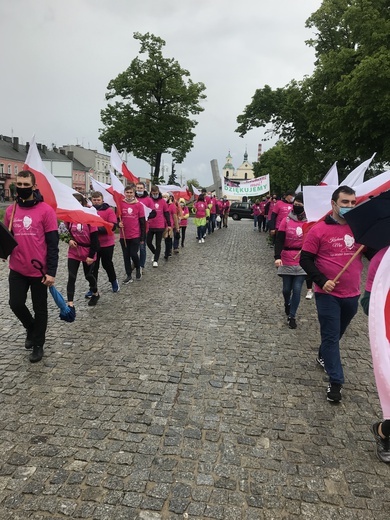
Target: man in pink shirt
(326, 250)
(35, 228)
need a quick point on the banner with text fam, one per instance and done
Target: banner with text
(251, 188)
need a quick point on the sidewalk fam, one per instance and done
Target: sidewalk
(186, 395)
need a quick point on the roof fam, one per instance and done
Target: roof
(7, 151)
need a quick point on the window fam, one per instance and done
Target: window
(1, 168)
(9, 169)
(15, 169)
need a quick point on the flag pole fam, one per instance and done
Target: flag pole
(353, 257)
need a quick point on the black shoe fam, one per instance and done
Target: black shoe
(333, 394)
(36, 354)
(28, 342)
(287, 309)
(94, 299)
(382, 445)
(127, 280)
(138, 274)
(292, 323)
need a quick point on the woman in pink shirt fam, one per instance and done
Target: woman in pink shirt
(201, 210)
(161, 221)
(288, 244)
(83, 247)
(185, 214)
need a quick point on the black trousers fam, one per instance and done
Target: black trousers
(183, 230)
(105, 255)
(130, 252)
(18, 288)
(158, 233)
(73, 268)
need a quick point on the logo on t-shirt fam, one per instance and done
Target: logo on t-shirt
(299, 231)
(129, 211)
(349, 241)
(79, 227)
(27, 221)
(156, 205)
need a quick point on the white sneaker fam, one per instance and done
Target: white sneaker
(309, 294)
(155, 264)
(202, 240)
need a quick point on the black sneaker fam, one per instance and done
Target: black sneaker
(292, 324)
(127, 280)
(333, 394)
(36, 354)
(94, 299)
(138, 274)
(287, 308)
(382, 445)
(321, 362)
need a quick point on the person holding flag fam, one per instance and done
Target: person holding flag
(158, 224)
(107, 242)
(328, 246)
(34, 226)
(133, 231)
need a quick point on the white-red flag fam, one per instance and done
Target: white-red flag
(179, 192)
(102, 187)
(356, 177)
(59, 196)
(373, 187)
(332, 177)
(120, 166)
(196, 191)
(379, 330)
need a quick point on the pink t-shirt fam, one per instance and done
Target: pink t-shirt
(29, 228)
(184, 221)
(256, 210)
(200, 209)
(281, 209)
(160, 206)
(270, 209)
(81, 233)
(373, 267)
(293, 240)
(262, 207)
(213, 206)
(172, 212)
(108, 215)
(333, 245)
(131, 213)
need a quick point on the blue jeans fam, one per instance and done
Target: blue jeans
(292, 286)
(334, 315)
(255, 220)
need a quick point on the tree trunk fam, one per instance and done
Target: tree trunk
(157, 164)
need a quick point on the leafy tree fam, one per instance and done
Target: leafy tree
(172, 179)
(340, 112)
(153, 101)
(191, 183)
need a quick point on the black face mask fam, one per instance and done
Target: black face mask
(24, 193)
(298, 210)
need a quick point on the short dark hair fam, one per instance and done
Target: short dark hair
(130, 187)
(96, 194)
(27, 173)
(342, 189)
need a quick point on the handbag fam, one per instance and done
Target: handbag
(218, 219)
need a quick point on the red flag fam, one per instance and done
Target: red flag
(120, 166)
(59, 196)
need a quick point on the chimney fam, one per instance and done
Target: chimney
(27, 146)
(16, 144)
(39, 146)
(70, 155)
(63, 152)
(55, 149)
(44, 148)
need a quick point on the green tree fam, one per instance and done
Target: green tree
(152, 104)
(172, 177)
(191, 183)
(342, 111)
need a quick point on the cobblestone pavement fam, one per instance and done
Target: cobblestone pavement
(185, 395)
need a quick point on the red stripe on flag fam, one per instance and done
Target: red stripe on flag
(44, 187)
(128, 174)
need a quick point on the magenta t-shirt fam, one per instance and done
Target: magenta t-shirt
(158, 222)
(281, 209)
(200, 209)
(256, 210)
(81, 233)
(184, 221)
(213, 204)
(29, 228)
(108, 215)
(270, 209)
(293, 240)
(333, 245)
(262, 207)
(172, 212)
(131, 213)
(373, 267)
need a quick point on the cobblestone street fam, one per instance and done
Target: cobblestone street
(186, 396)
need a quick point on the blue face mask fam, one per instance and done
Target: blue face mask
(343, 211)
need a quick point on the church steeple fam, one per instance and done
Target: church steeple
(246, 154)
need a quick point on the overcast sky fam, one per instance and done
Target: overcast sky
(57, 58)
